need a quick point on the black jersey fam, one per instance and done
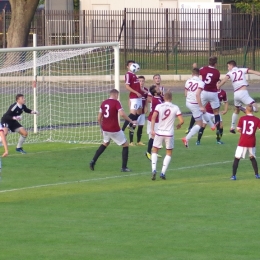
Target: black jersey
(15, 110)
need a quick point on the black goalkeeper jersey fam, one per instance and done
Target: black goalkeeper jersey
(15, 110)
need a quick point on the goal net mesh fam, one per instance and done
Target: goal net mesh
(70, 86)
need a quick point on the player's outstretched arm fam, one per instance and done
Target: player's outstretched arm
(225, 108)
(4, 142)
(181, 121)
(222, 82)
(254, 72)
(154, 116)
(123, 114)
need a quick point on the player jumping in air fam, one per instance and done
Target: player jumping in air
(156, 99)
(211, 76)
(193, 89)
(247, 127)
(132, 84)
(222, 95)
(141, 118)
(108, 121)
(12, 116)
(241, 95)
(165, 113)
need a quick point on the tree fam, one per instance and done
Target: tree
(21, 17)
(248, 6)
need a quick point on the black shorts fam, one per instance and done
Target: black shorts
(12, 125)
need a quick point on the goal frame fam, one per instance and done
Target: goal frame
(114, 45)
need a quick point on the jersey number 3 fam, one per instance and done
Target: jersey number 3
(248, 125)
(106, 114)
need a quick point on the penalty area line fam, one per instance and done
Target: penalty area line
(110, 177)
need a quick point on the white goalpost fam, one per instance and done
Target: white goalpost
(66, 84)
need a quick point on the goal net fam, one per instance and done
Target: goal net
(66, 84)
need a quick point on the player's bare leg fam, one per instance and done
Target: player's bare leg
(99, 151)
(234, 120)
(23, 135)
(125, 151)
(194, 130)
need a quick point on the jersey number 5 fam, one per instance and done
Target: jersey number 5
(208, 78)
(250, 125)
(106, 115)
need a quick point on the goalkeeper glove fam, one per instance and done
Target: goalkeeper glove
(35, 112)
(18, 118)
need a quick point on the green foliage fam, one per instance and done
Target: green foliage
(76, 4)
(248, 6)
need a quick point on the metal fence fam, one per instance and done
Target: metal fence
(167, 40)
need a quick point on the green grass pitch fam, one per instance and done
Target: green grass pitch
(54, 207)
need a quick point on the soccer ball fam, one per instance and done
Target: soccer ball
(134, 67)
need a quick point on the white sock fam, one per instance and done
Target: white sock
(234, 120)
(166, 162)
(207, 119)
(154, 158)
(20, 141)
(194, 130)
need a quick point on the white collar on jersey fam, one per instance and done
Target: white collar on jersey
(211, 67)
(20, 106)
(249, 114)
(196, 77)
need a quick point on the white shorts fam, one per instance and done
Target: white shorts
(135, 103)
(149, 128)
(118, 137)
(241, 152)
(195, 110)
(242, 97)
(158, 142)
(141, 119)
(212, 118)
(211, 97)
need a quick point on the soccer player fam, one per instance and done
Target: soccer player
(239, 83)
(3, 141)
(157, 81)
(193, 89)
(211, 76)
(132, 84)
(12, 116)
(247, 127)
(156, 100)
(108, 121)
(222, 95)
(141, 118)
(166, 114)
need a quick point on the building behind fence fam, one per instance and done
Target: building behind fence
(159, 39)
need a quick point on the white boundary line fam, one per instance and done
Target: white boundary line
(109, 177)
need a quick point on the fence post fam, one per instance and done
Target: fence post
(253, 41)
(4, 29)
(43, 43)
(167, 38)
(133, 35)
(209, 30)
(84, 26)
(125, 37)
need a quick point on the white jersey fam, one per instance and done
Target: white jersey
(167, 112)
(191, 86)
(238, 77)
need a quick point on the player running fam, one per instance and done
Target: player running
(108, 121)
(12, 116)
(165, 114)
(247, 127)
(193, 89)
(132, 84)
(222, 95)
(156, 100)
(211, 76)
(239, 83)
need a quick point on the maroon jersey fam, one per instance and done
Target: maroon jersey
(222, 96)
(248, 125)
(156, 100)
(144, 97)
(210, 76)
(109, 109)
(132, 80)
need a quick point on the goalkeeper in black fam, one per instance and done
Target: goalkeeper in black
(10, 120)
